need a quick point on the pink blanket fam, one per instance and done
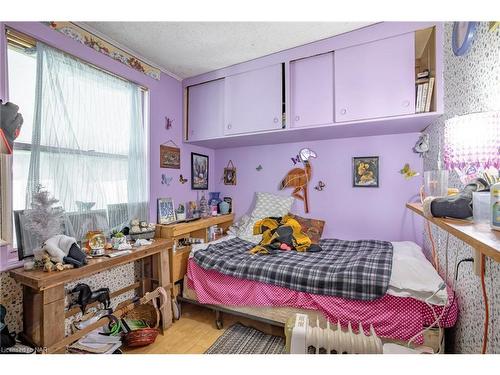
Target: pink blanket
(393, 317)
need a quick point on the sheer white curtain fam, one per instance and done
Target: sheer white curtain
(88, 143)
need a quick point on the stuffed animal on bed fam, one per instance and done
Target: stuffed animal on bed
(281, 234)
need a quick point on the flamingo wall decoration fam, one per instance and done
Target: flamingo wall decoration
(298, 178)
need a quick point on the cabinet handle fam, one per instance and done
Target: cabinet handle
(406, 103)
(343, 111)
(275, 120)
(297, 118)
(229, 126)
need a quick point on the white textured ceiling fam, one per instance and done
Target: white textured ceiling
(187, 49)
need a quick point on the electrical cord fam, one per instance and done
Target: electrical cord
(486, 307)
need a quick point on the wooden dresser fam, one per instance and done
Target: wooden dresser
(179, 255)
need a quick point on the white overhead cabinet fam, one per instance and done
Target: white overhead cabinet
(253, 101)
(206, 111)
(312, 90)
(375, 79)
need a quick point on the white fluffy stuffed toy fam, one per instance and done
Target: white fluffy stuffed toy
(58, 247)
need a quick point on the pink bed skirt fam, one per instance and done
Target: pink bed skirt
(392, 317)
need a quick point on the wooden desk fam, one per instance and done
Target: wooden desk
(44, 310)
(178, 256)
(480, 236)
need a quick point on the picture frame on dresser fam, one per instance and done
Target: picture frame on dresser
(166, 211)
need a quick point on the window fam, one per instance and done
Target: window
(83, 139)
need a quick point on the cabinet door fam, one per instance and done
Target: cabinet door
(206, 110)
(253, 101)
(312, 90)
(375, 79)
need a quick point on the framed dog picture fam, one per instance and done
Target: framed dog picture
(170, 157)
(199, 171)
(166, 211)
(365, 171)
(230, 174)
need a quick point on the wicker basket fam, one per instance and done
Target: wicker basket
(143, 336)
(142, 235)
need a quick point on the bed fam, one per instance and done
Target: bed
(402, 313)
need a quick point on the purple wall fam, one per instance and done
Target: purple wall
(165, 100)
(350, 213)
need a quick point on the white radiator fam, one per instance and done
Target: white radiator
(301, 335)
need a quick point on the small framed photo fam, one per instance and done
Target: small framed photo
(230, 174)
(166, 211)
(199, 171)
(365, 171)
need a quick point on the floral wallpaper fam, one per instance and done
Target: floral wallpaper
(471, 84)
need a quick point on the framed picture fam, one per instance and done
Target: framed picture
(170, 157)
(199, 171)
(166, 211)
(230, 174)
(365, 171)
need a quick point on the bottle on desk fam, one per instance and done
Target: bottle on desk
(495, 206)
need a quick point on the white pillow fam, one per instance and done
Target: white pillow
(270, 205)
(414, 276)
(267, 205)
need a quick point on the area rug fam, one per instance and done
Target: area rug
(239, 339)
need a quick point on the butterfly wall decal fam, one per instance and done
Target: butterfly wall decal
(320, 186)
(166, 180)
(168, 123)
(296, 159)
(407, 172)
(182, 180)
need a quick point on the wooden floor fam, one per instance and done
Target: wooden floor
(195, 332)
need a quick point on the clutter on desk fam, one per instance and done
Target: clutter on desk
(141, 230)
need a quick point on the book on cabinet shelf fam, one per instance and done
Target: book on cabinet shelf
(424, 91)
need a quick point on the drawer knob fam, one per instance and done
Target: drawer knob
(275, 120)
(229, 126)
(343, 111)
(297, 118)
(406, 103)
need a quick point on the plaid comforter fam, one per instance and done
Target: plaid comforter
(350, 269)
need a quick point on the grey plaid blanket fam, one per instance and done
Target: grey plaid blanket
(349, 269)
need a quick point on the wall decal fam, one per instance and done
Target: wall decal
(320, 186)
(365, 171)
(258, 168)
(299, 178)
(182, 180)
(407, 172)
(296, 159)
(166, 180)
(199, 171)
(170, 156)
(422, 145)
(230, 174)
(168, 123)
